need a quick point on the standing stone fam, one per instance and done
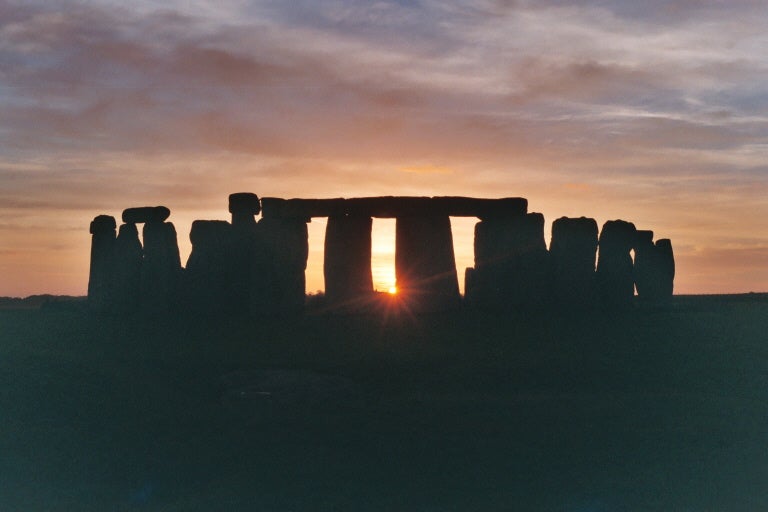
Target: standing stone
(209, 275)
(283, 251)
(615, 280)
(645, 265)
(347, 260)
(425, 265)
(654, 267)
(572, 254)
(244, 258)
(128, 260)
(100, 294)
(511, 262)
(666, 268)
(161, 268)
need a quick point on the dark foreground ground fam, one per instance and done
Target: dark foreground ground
(656, 409)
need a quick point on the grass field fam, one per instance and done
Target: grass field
(653, 409)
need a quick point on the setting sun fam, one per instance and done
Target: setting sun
(392, 290)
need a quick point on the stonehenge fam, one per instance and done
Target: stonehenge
(209, 274)
(572, 254)
(102, 247)
(615, 268)
(654, 267)
(257, 266)
(347, 259)
(425, 265)
(511, 261)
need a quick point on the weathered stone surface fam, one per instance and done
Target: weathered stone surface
(128, 259)
(615, 280)
(100, 275)
(425, 266)
(144, 214)
(347, 260)
(282, 249)
(393, 207)
(209, 275)
(572, 254)
(511, 262)
(161, 269)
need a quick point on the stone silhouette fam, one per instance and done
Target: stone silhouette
(284, 251)
(161, 267)
(244, 257)
(144, 214)
(100, 288)
(425, 265)
(666, 266)
(511, 262)
(126, 269)
(209, 275)
(615, 279)
(645, 264)
(347, 260)
(258, 266)
(572, 253)
(654, 267)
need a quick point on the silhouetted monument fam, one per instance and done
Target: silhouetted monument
(259, 266)
(126, 269)
(246, 265)
(615, 279)
(645, 264)
(654, 267)
(425, 266)
(285, 246)
(666, 265)
(209, 275)
(161, 268)
(572, 252)
(144, 214)
(347, 260)
(102, 247)
(511, 262)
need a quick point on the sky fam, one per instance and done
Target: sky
(654, 112)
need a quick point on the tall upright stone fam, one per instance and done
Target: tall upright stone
(666, 268)
(572, 253)
(425, 265)
(654, 267)
(100, 290)
(208, 274)
(347, 260)
(128, 260)
(615, 280)
(283, 250)
(161, 269)
(645, 264)
(511, 262)
(246, 256)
